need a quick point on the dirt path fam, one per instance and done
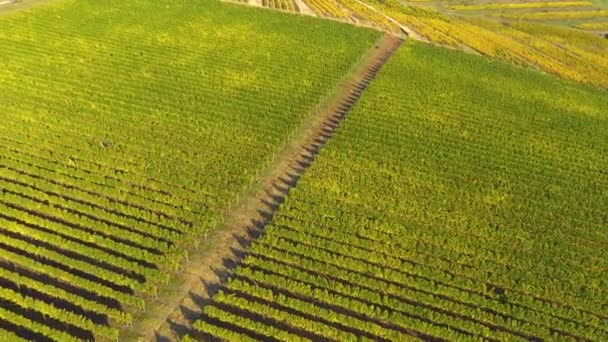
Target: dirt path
(170, 318)
(304, 9)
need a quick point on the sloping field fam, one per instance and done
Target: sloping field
(491, 28)
(507, 41)
(128, 129)
(594, 26)
(528, 44)
(460, 199)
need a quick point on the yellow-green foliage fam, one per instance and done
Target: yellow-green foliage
(127, 130)
(567, 37)
(499, 6)
(327, 8)
(594, 26)
(558, 15)
(461, 199)
(561, 51)
(369, 15)
(286, 5)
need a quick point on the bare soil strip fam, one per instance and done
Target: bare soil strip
(170, 317)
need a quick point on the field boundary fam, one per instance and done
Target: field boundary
(208, 268)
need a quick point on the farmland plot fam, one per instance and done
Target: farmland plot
(519, 43)
(461, 199)
(128, 129)
(493, 29)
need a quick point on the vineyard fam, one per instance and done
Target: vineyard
(330, 9)
(492, 29)
(561, 12)
(559, 15)
(585, 15)
(437, 195)
(575, 56)
(287, 5)
(597, 26)
(129, 130)
(461, 199)
(521, 5)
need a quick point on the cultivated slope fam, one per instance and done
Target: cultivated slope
(249, 219)
(460, 199)
(128, 130)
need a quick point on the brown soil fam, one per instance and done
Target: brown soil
(170, 317)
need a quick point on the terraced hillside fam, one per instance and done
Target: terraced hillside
(128, 130)
(461, 199)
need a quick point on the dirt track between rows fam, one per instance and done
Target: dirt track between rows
(171, 316)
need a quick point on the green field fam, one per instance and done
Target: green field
(175, 168)
(129, 128)
(461, 198)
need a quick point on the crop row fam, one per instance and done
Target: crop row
(557, 15)
(327, 8)
(429, 216)
(598, 26)
(369, 15)
(127, 135)
(516, 42)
